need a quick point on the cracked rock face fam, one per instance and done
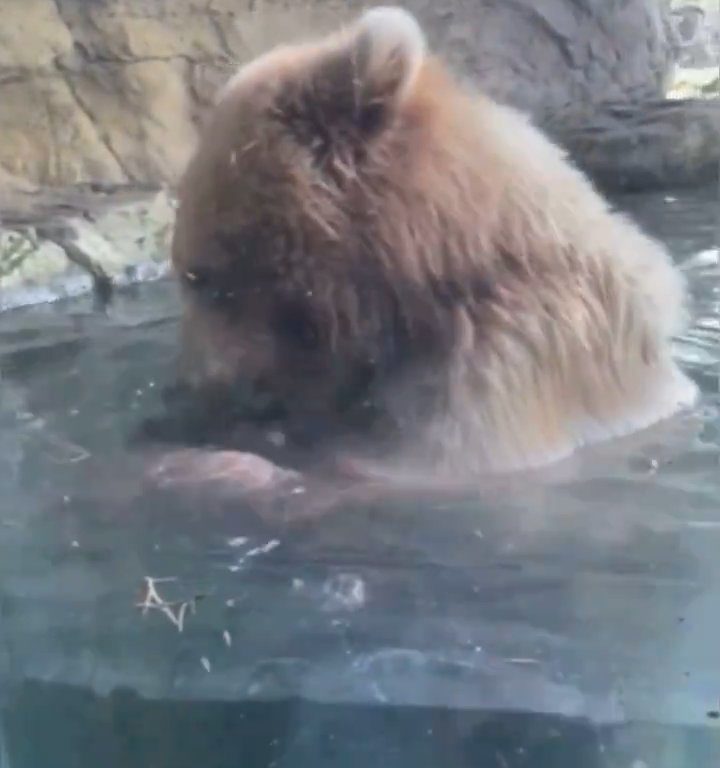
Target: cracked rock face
(111, 90)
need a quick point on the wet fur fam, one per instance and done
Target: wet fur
(431, 235)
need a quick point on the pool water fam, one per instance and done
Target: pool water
(566, 624)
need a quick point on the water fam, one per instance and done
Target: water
(567, 625)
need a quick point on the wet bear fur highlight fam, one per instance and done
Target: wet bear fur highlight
(355, 219)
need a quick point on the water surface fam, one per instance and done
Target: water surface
(567, 625)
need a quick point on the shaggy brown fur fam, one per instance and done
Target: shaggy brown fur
(352, 213)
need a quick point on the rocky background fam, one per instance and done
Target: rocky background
(111, 90)
(696, 34)
(100, 101)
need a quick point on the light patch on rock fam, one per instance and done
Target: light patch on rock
(34, 271)
(119, 245)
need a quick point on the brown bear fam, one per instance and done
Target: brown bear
(357, 227)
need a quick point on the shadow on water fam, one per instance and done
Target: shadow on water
(81, 729)
(572, 624)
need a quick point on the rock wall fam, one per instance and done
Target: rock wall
(111, 90)
(661, 144)
(696, 34)
(100, 101)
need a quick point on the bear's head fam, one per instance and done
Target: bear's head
(322, 218)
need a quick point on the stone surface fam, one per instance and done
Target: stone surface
(696, 82)
(69, 242)
(631, 148)
(696, 33)
(111, 90)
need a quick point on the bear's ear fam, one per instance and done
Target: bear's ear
(388, 49)
(356, 87)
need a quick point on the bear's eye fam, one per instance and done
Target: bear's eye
(195, 279)
(295, 324)
(208, 287)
